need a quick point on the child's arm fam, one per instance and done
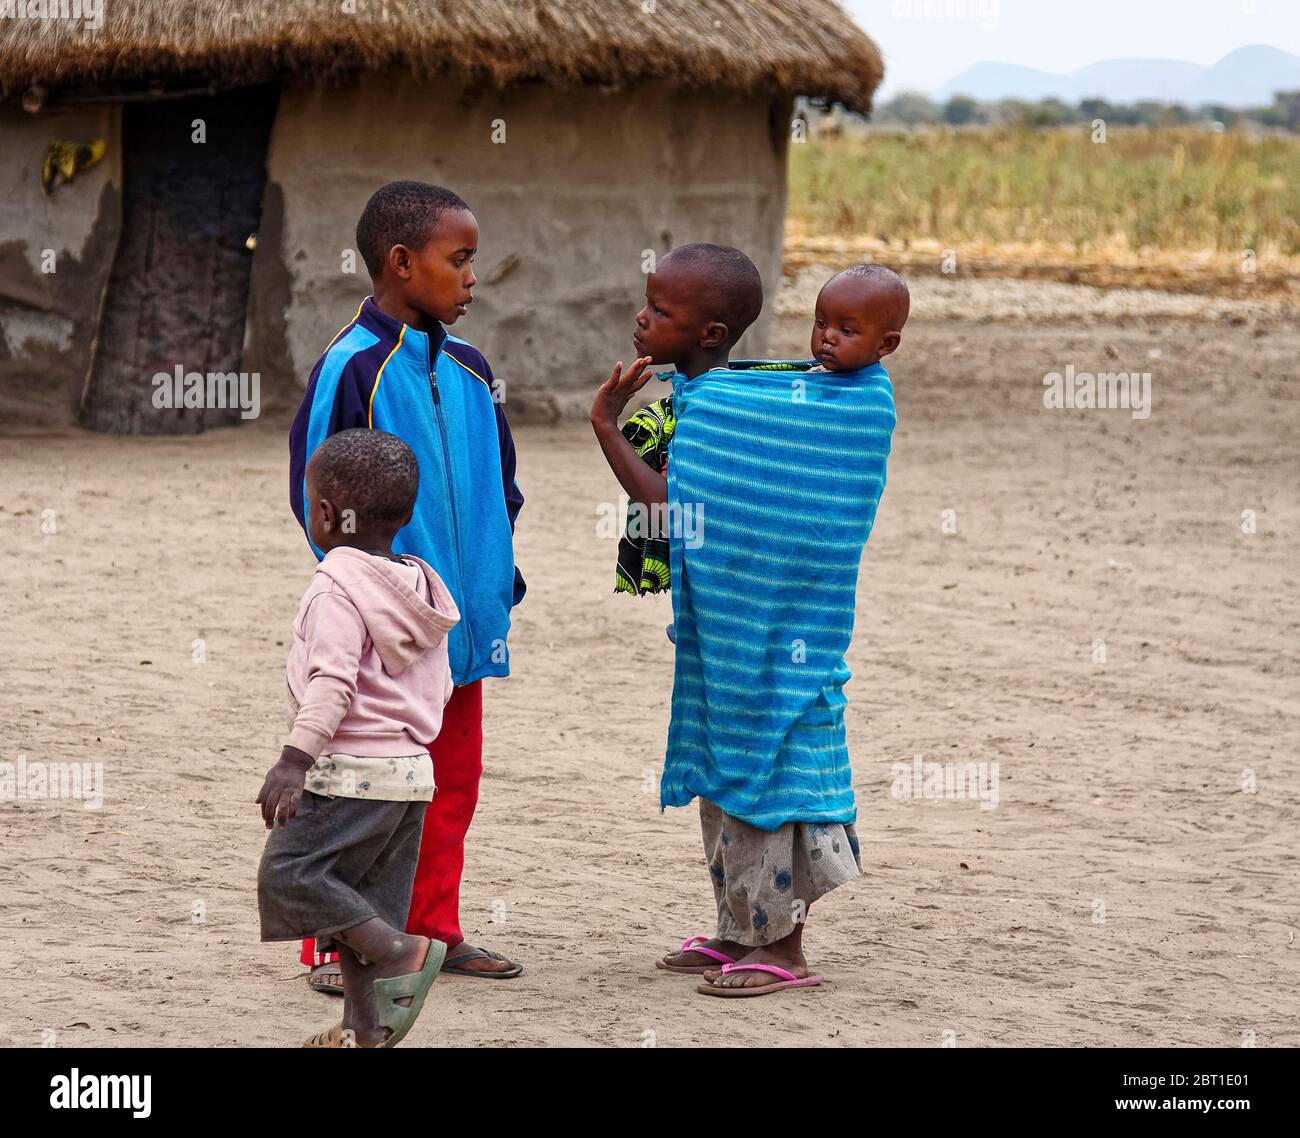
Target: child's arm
(335, 635)
(641, 483)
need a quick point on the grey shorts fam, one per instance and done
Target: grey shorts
(341, 861)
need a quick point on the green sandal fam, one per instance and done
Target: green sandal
(416, 985)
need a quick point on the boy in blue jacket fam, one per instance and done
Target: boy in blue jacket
(395, 368)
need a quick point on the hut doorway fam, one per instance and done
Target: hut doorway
(193, 173)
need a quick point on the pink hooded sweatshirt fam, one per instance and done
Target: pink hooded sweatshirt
(368, 672)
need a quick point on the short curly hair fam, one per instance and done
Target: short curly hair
(401, 213)
(372, 473)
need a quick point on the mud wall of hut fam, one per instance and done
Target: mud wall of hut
(571, 189)
(56, 251)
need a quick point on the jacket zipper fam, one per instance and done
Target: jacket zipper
(451, 498)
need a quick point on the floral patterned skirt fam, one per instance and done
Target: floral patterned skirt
(765, 880)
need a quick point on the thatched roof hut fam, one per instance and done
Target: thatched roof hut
(583, 132)
(767, 46)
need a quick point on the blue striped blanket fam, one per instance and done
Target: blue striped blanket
(773, 481)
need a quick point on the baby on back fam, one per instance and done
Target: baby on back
(859, 318)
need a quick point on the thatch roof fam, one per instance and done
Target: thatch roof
(808, 47)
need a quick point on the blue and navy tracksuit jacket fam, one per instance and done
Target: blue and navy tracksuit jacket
(435, 392)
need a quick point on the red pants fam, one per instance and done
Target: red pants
(457, 767)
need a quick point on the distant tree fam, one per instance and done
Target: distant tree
(1053, 112)
(1014, 112)
(1090, 109)
(1215, 112)
(910, 109)
(961, 110)
(1148, 113)
(913, 109)
(1286, 110)
(1045, 112)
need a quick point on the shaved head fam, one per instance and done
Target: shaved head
(881, 288)
(728, 286)
(859, 317)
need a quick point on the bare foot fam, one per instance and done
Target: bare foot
(326, 978)
(479, 963)
(789, 957)
(696, 959)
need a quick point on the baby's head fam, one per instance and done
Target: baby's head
(860, 317)
(418, 242)
(361, 488)
(699, 298)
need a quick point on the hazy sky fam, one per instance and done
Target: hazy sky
(922, 53)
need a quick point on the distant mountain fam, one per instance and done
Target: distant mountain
(1130, 80)
(1247, 77)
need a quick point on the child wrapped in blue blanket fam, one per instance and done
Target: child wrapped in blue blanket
(764, 478)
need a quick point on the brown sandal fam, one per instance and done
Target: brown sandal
(332, 1037)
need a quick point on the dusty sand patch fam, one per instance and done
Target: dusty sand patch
(947, 298)
(1119, 783)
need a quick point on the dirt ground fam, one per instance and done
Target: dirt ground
(1136, 883)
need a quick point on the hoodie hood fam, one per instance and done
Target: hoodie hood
(400, 623)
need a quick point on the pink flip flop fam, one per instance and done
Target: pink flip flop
(692, 944)
(788, 980)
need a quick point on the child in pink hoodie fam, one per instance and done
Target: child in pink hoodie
(368, 678)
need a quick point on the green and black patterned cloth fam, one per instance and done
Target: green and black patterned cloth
(642, 551)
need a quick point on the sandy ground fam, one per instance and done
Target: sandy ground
(1125, 889)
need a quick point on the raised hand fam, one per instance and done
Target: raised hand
(613, 395)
